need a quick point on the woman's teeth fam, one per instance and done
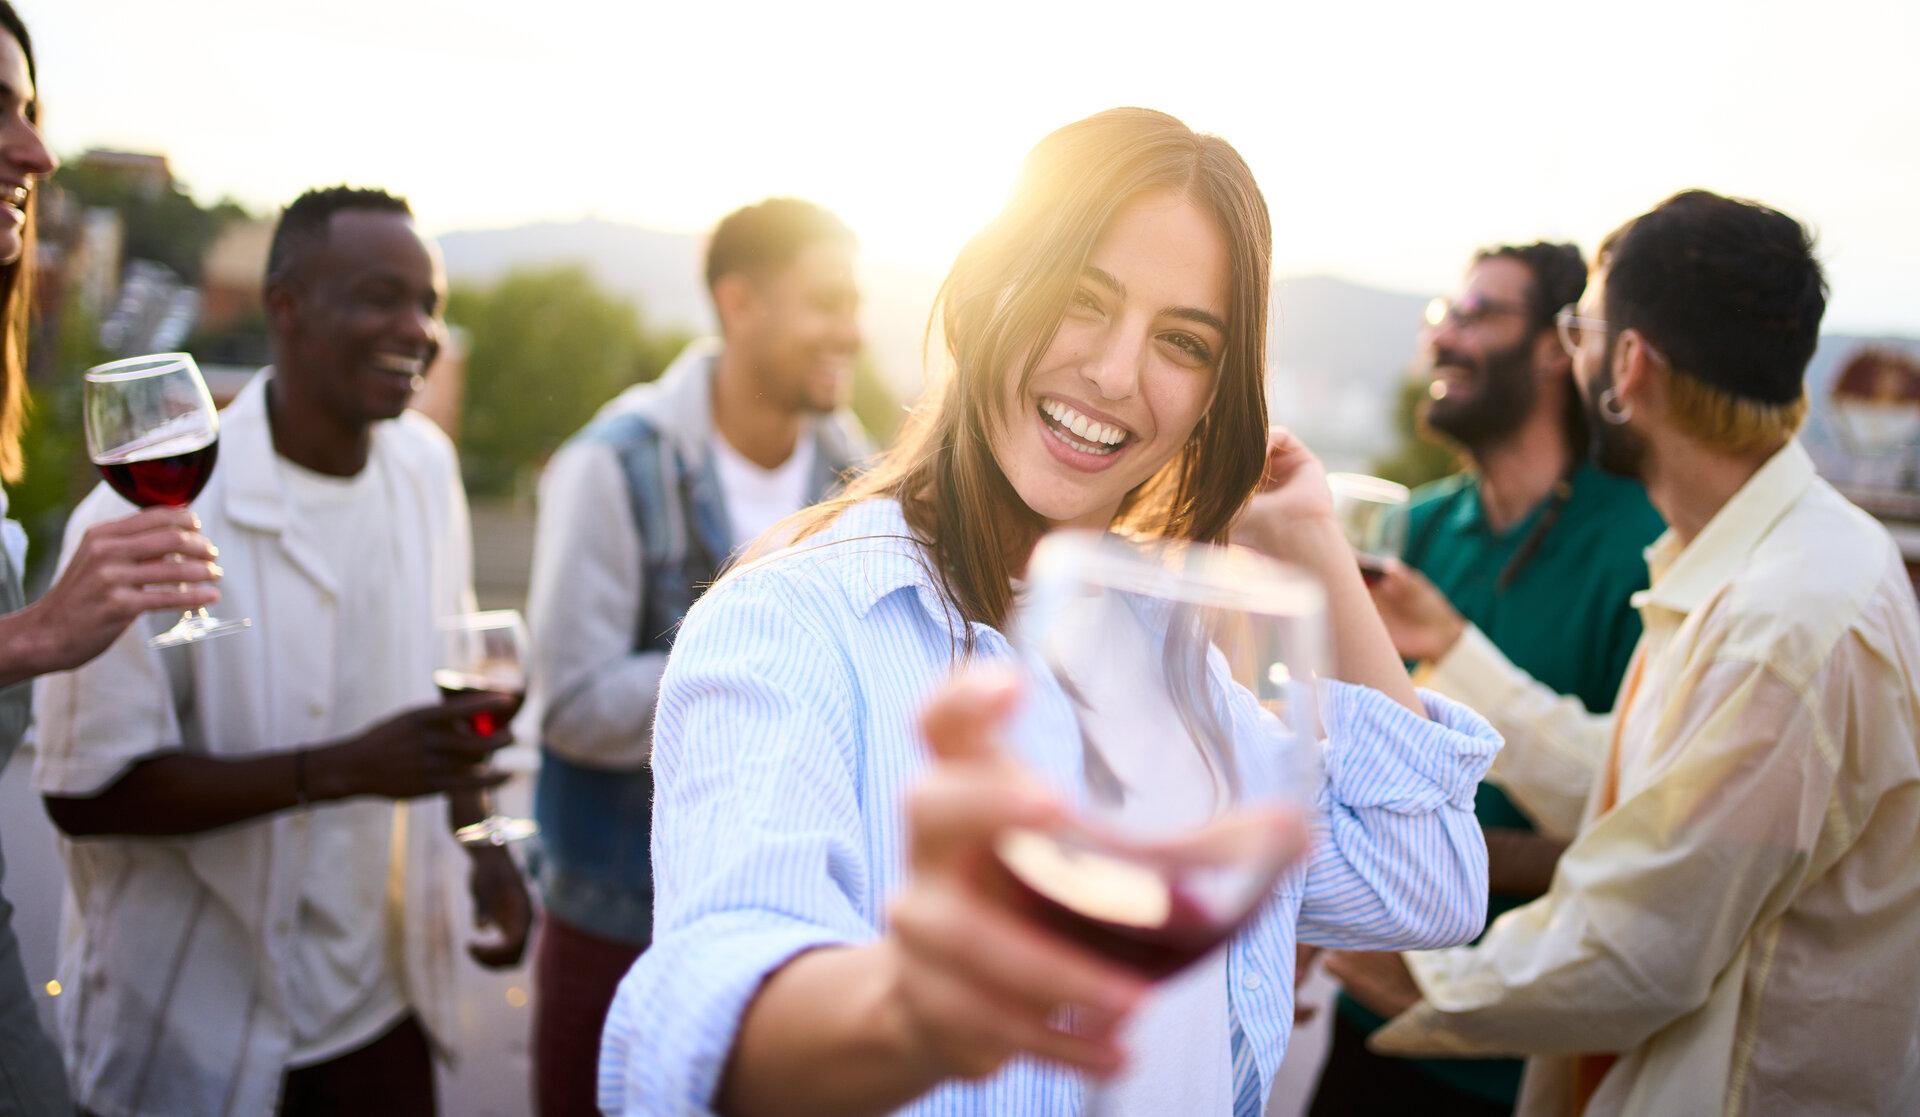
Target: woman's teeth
(1088, 435)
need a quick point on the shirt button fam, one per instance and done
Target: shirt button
(316, 708)
(1251, 981)
(282, 927)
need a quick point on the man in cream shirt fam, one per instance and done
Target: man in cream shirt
(1736, 925)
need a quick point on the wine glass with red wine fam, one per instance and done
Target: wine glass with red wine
(1170, 700)
(1372, 511)
(486, 653)
(154, 434)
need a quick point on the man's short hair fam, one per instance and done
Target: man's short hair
(768, 235)
(1730, 292)
(303, 225)
(1559, 275)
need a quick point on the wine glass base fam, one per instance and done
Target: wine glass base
(496, 830)
(192, 629)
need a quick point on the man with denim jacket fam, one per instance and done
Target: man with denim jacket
(638, 512)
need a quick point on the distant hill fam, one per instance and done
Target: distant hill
(1338, 350)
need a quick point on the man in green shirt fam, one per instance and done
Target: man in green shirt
(1541, 551)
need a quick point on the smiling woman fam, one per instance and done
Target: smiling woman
(1124, 288)
(842, 952)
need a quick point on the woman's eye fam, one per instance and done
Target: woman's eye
(1084, 300)
(1191, 345)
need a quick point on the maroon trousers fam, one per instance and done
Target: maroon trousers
(575, 974)
(391, 1075)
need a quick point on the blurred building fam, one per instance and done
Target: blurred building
(80, 249)
(1865, 436)
(233, 273)
(149, 175)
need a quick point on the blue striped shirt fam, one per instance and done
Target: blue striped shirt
(786, 738)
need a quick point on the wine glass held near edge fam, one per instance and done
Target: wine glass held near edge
(486, 653)
(154, 434)
(1372, 512)
(1170, 702)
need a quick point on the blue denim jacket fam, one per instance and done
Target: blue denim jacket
(593, 863)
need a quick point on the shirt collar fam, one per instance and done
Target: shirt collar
(1685, 577)
(875, 555)
(1467, 514)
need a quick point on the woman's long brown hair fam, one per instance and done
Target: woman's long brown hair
(1001, 304)
(16, 297)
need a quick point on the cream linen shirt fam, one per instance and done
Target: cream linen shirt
(1742, 927)
(177, 953)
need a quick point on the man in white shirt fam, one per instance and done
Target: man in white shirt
(261, 861)
(637, 514)
(1735, 928)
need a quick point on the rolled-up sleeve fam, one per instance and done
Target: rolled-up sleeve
(1399, 862)
(1554, 746)
(758, 843)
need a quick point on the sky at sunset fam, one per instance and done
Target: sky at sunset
(1390, 139)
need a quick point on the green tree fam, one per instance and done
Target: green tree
(877, 408)
(545, 348)
(58, 471)
(1417, 459)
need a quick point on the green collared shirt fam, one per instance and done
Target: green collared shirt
(1565, 618)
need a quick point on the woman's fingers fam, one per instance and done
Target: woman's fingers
(978, 1030)
(172, 599)
(956, 813)
(161, 571)
(962, 720)
(985, 945)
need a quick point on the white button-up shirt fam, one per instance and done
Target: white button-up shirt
(176, 952)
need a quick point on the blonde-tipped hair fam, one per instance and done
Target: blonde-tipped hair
(1728, 423)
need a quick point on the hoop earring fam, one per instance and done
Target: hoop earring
(1612, 410)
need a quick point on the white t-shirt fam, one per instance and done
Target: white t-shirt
(1179, 1041)
(345, 981)
(757, 498)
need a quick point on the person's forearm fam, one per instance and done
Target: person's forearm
(180, 794)
(464, 808)
(1520, 862)
(824, 1036)
(25, 650)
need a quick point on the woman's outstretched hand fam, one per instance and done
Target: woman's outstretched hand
(976, 984)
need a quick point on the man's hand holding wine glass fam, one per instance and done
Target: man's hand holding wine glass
(428, 750)
(155, 560)
(1423, 623)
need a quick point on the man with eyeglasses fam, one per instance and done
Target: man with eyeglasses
(1736, 926)
(1531, 550)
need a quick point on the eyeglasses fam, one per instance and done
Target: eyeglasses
(1468, 312)
(1575, 327)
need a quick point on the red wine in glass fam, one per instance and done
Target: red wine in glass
(456, 684)
(172, 480)
(1153, 909)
